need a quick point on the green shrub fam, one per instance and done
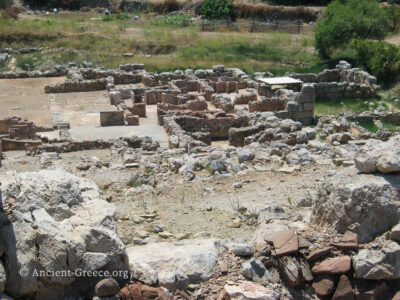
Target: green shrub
(343, 21)
(175, 21)
(393, 16)
(381, 58)
(216, 9)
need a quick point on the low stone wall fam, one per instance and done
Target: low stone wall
(237, 135)
(14, 145)
(71, 86)
(343, 90)
(120, 77)
(245, 97)
(33, 74)
(267, 104)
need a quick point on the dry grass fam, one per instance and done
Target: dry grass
(263, 11)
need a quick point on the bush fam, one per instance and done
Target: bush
(343, 21)
(165, 6)
(393, 16)
(262, 11)
(381, 58)
(176, 21)
(216, 9)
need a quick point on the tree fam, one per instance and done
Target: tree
(216, 9)
(381, 58)
(345, 20)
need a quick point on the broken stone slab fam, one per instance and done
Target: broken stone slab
(319, 253)
(344, 290)
(249, 291)
(294, 270)
(324, 285)
(378, 264)
(194, 260)
(336, 265)
(286, 243)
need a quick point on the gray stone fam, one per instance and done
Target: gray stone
(243, 250)
(357, 203)
(71, 226)
(245, 154)
(217, 166)
(195, 259)
(253, 268)
(378, 264)
(379, 156)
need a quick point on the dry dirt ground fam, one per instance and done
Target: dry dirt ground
(201, 208)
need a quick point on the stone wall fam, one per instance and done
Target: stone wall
(73, 86)
(112, 118)
(340, 83)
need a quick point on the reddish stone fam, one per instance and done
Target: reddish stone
(346, 246)
(324, 285)
(336, 265)
(344, 290)
(350, 237)
(319, 253)
(286, 243)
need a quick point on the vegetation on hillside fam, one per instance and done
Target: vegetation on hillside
(216, 9)
(346, 20)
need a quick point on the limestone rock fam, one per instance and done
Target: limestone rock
(245, 154)
(358, 202)
(194, 260)
(378, 264)
(379, 156)
(249, 291)
(57, 222)
(243, 250)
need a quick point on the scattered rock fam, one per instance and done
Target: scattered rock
(336, 265)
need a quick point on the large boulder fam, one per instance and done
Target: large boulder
(368, 205)
(379, 156)
(53, 221)
(174, 265)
